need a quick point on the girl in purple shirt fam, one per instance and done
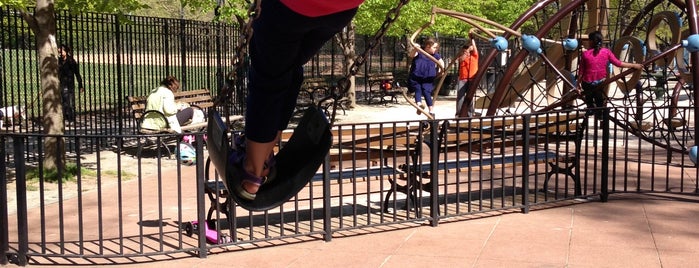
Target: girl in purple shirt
(593, 70)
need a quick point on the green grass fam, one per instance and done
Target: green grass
(52, 175)
(124, 174)
(71, 172)
(106, 84)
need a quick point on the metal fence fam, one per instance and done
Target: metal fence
(126, 208)
(120, 58)
(127, 205)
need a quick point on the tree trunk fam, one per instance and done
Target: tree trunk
(44, 27)
(346, 41)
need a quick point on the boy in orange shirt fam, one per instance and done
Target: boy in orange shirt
(468, 67)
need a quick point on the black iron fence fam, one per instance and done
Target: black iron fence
(120, 58)
(125, 207)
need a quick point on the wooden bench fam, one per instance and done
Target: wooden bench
(315, 89)
(347, 146)
(354, 145)
(200, 99)
(363, 151)
(382, 86)
(312, 90)
(478, 136)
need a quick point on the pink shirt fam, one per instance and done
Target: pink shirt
(594, 67)
(317, 8)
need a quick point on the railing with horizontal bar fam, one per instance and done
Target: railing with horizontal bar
(124, 208)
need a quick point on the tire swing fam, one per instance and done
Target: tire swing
(299, 159)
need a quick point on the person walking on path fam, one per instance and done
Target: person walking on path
(68, 73)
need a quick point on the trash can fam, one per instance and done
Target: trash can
(448, 86)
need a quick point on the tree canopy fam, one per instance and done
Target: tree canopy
(373, 12)
(371, 15)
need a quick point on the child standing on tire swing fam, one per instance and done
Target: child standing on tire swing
(286, 35)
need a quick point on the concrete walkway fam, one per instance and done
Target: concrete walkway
(631, 230)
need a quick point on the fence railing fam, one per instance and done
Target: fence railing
(124, 207)
(120, 58)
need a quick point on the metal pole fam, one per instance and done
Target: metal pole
(694, 29)
(327, 194)
(20, 177)
(434, 171)
(201, 219)
(4, 233)
(525, 163)
(604, 183)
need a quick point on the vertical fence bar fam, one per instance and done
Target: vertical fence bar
(21, 182)
(434, 171)
(693, 21)
(79, 193)
(201, 181)
(327, 195)
(119, 79)
(525, 163)
(604, 183)
(4, 233)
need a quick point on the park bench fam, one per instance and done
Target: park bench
(363, 151)
(198, 99)
(481, 139)
(314, 90)
(383, 87)
(347, 144)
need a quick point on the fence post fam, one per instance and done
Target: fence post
(327, 195)
(119, 73)
(200, 194)
(605, 156)
(434, 171)
(21, 181)
(525, 163)
(4, 232)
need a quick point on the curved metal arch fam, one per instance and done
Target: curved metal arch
(517, 60)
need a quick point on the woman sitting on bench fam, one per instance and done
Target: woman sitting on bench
(162, 100)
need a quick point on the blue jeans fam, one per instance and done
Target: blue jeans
(283, 41)
(423, 88)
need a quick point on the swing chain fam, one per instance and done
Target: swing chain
(343, 84)
(238, 58)
(391, 17)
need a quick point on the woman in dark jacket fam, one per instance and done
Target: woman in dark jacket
(68, 72)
